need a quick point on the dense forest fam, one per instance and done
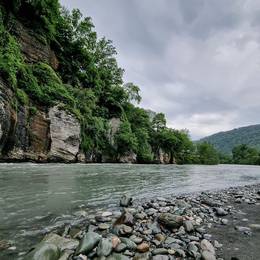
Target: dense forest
(87, 82)
(224, 142)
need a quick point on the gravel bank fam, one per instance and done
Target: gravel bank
(210, 225)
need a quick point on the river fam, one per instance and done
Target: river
(35, 198)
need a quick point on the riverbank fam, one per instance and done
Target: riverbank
(209, 225)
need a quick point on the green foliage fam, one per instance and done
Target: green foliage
(22, 97)
(33, 110)
(207, 154)
(88, 62)
(125, 139)
(88, 82)
(10, 55)
(243, 154)
(133, 92)
(42, 14)
(43, 85)
(159, 122)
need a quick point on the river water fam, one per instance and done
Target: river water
(35, 198)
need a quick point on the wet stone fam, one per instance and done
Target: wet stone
(171, 221)
(103, 226)
(221, 212)
(126, 201)
(160, 257)
(160, 251)
(143, 247)
(121, 247)
(143, 256)
(188, 225)
(88, 242)
(104, 247)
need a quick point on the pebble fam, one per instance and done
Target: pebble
(224, 221)
(143, 247)
(160, 229)
(188, 225)
(206, 255)
(242, 229)
(160, 251)
(103, 226)
(255, 226)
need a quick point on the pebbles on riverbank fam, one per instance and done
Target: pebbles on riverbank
(159, 229)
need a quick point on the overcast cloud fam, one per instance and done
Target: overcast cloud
(197, 61)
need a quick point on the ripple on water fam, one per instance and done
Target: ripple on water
(37, 198)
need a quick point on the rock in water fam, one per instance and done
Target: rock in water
(4, 245)
(171, 221)
(44, 251)
(104, 247)
(126, 201)
(61, 242)
(88, 242)
(126, 218)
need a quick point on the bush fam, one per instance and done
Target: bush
(22, 97)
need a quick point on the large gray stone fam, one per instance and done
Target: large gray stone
(171, 221)
(129, 243)
(44, 251)
(115, 256)
(64, 134)
(104, 247)
(61, 242)
(88, 242)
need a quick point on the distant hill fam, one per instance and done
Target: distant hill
(225, 141)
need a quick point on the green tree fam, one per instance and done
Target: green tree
(125, 139)
(133, 92)
(159, 122)
(243, 154)
(207, 153)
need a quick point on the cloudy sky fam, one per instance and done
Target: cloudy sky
(197, 61)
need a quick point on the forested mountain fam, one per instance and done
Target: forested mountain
(224, 142)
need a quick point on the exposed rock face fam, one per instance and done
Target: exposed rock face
(64, 134)
(5, 114)
(40, 137)
(128, 158)
(114, 125)
(34, 48)
(162, 157)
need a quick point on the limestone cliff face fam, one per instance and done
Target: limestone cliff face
(46, 136)
(49, 134)
(64, 135)
(162, 157)
(33, 47)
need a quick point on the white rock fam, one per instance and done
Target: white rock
(64, 134)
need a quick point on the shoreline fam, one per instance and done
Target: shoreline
(209, 225)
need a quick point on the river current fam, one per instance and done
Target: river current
(35, 198)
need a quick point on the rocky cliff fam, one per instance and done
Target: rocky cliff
(44, 134)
